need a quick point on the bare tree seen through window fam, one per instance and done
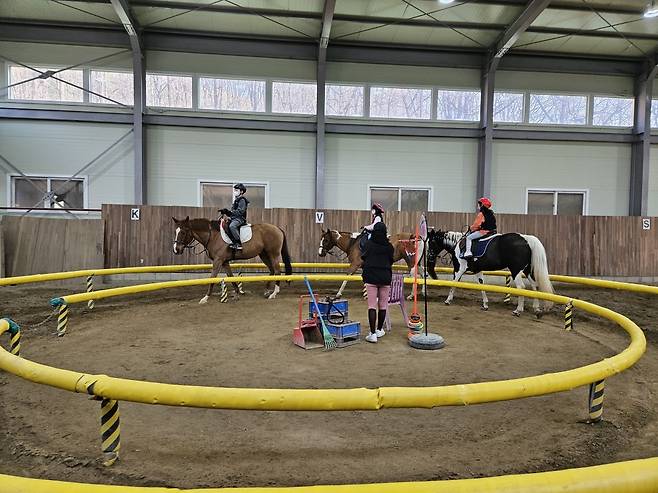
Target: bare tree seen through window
(294, 97)
(558, 109)
(458, 105)
(48, 89)
(508, 107)
(232, 94)
(400, 102)
(115, 85)
(613, 112)
(168, 91)
(343, 100)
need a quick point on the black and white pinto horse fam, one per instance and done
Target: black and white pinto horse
(521, 254)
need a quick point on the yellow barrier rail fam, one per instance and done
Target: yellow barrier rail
(636, 476)
(164, 269)
(330, 399)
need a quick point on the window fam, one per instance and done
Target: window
(114, 85)
(654, 113)
(220, 195)
(46, 89)
(168, 91)
(400, 102)
(232, 94)
(458, 105)
(558, 109)
(508, 107)
(552, 202)
(294, 97)
(401, 198)
(613, 112)
(53, 193)
(344, 100)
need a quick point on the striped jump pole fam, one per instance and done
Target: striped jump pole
(365, 292)
(110, 427)
(223, 292)
(596, 391)
(568, 316)
(90, 288)
(508, 284)
(62, 317)
(14, 337)
(110, 431)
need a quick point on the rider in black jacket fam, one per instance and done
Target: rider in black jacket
(238, 214)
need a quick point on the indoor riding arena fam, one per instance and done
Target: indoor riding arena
(328, 246)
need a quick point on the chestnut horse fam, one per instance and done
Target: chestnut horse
(403, 249)
(267, 241)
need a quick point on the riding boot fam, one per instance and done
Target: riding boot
(468, 252)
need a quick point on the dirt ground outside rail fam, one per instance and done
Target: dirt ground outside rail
(166, 336)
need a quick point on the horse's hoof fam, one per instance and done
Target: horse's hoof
(539, 314)
(516, 313)
(484, 308)
(272, 296)
(203, 300)
(447, 302)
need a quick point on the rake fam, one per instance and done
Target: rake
(329, 342)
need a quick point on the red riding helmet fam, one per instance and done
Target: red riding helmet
(485, 202)
(378, 207)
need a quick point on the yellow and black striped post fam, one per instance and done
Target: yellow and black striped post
(508, 283)
(110, 431)
(568, 316)
(596, 390)
(223, 292)
(62, 319)
(14, 337)
(240, 290)
(90, 288)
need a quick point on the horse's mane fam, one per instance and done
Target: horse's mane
(199, 223)
(451, 238)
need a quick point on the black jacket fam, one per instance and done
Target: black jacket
(489, 223)
(378, 261)
(239, 209)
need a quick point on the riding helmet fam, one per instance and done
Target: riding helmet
(378, 207)
(485, 202)
(240, 186)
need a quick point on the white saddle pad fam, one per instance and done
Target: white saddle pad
(245, 234)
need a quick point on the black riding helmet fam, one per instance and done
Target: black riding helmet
(240, 186)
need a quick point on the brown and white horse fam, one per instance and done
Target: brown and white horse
(267, 241)
(348, 243)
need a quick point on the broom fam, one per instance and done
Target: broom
(329, 342)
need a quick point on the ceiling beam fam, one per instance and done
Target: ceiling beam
(602, 7)
(302, 49)
(518, 27)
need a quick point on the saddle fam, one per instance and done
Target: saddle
(245, 231)
(479, 246)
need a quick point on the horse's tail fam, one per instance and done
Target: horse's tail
(539, 266)
(285, 255)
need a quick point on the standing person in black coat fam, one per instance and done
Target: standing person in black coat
(377, 273)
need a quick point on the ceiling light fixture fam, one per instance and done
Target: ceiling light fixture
(652, 10)
(446, 2)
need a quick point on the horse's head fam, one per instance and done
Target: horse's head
(435, 246)
(183, 236)
(327, 242)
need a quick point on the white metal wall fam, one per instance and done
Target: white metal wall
(653, 182)
(601, 169)
(61, 149)
(354, 162)
(179, 157)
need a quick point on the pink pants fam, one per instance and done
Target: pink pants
(378, 296)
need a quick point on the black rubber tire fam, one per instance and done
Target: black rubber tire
(427, 342)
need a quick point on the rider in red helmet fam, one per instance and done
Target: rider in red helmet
(484, 224)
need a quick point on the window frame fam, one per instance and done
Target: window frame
(525, 114)
(589, 101)
(194, 103)
(367, 103)
(201, 182)
(11, 195)
(555, 191)
(364, 106)
(270, 97)
(107, 104)
(196, 80)
(590, 105)
(435, 104)
(399, 188)
(85, 95)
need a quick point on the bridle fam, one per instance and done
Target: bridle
(330, 251)
(192, 244)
